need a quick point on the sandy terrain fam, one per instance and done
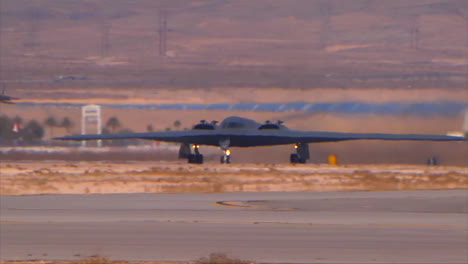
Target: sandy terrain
(22, 178)
(105, 95)
(102, 260)
(90, 262)
(228, 44)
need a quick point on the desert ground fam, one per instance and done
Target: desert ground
(33, 178)
(211, 44)
(223, 50)
(95, 260)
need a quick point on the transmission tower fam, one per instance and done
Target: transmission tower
(466, 30)
(162, 32)
(326, 12)
(414, 33)
(466, 60)
(105, 46)
(31, 41)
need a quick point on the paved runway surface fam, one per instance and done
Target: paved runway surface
(338, 227)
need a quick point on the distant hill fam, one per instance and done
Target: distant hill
(235, 43)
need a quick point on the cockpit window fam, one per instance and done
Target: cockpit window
(235, 122)
(233, 125)
(204, 127)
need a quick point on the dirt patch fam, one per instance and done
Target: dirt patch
(97, 177)
(110, 262)
(213, 258)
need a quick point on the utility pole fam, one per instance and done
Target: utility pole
(162, 32)
(326, 12)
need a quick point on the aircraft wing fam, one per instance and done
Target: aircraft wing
(316, 136)
(251, 138)
(268, 138)
(182, 136)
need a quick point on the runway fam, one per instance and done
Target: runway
(307, 227)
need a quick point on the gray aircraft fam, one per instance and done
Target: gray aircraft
(6, 99)
(242, 132)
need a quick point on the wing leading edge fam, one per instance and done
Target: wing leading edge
(184, 136)
(311, 137)
(259, 138)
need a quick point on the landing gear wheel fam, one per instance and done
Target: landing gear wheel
(195, 159)
(225, 159)
(199, 158)
(191, 158)
(295, 159)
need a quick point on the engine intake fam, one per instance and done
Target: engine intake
(269, 125)
(203, 125)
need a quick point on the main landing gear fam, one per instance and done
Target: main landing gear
(302, 153)
(197, 157)
(299, 157)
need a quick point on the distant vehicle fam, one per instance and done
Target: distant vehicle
(6, 99)
(237, 131)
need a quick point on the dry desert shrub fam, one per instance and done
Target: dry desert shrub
(220, 258)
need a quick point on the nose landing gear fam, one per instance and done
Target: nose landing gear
(224, 145)
(226, 158)
(302, 153)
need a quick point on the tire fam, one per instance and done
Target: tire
(225, 159)
(294, 158)
(199, 159)
(192, 158)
